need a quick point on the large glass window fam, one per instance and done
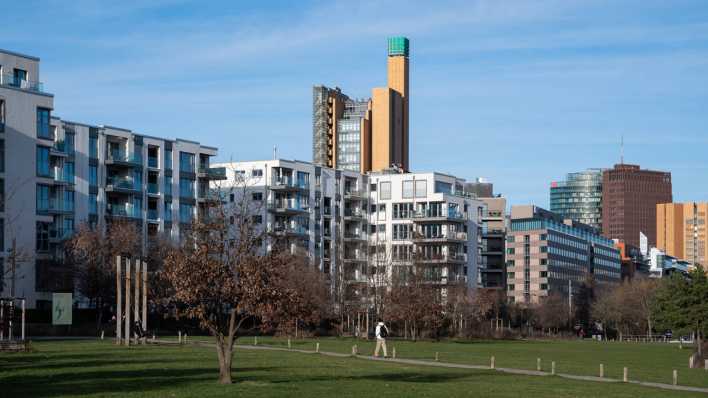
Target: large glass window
(69, 200)
(69, 172)
(93, 203)
(421, 188)
(70, 144)
(168, 159)
(168, 211)
(186, 188)
(42, 236)
(93, 175)
(443, 187)
(42, 198)
(385, 190)
(408, 189)
(168, 185)
(186, 162)
(43, 161)
(93, 147)
(186, 212)
(43, 127)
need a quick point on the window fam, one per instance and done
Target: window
(69, 172)
(69, 200)
(373, 187)
(510, 263)
(510, 275)
(168, 211)
(2, 156)
(20, 78)
(544, 274)
(510, 250)
(408, 189)
(70, 144)
(232, 197)
(443, 187)
(544, 249)
(168, 185)
(257, 196)
(544, 286)
(256, 173)
(93, 204)
(512, 288)
(186, 162)
(510, 238)
(43, 127)
(421, 189)
(2, 197)
(385, 191)
(186, 188)
(168, 159)
(43, 161)
(382, 212)
(258, 219)
(42, 198)
(42, 236)
(186, 212)
(93, 175)
(93, 147)
(543, 237)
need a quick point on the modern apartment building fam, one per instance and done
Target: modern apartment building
(579, 197)
(629, 199)
(355, 226)
(365, 135)
(682, 231)
(480, 188)
(546, 253)
(60, 174)
(492, 267)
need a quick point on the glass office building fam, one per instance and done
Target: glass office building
(579, 197)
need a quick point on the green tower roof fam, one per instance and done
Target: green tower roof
(398, 46)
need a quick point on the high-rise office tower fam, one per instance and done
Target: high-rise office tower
(682, 231)
(579, 197)
(369, 134)
(629, 199)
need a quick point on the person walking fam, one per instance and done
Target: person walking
(381, 334)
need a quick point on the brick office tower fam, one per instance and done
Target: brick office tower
(629, 199)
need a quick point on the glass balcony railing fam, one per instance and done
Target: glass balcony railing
(125, 210)
(123, 183)
(213, 173)
(125, 157)
(153, 214)
(153, 188)
(60, 175)
(10, 80)
(55, 205)
(290, 182)
(152, 162)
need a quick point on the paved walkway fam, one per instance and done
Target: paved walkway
(418, 362)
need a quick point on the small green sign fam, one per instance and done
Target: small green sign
(62, 304)
(398, 46)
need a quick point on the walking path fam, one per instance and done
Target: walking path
(418, 362)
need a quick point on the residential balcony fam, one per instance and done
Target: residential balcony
(125, 211)
(153, 215)
(442, 258)
(354, 236)
(61, 177)
(288, 231)
(55, 206)
(355, 194)
(493, 232)
(289, 184)
(10, 80)
(212, 173)
(286, 207)
(354, 214)
(124, 159)
(153, 163)
(58, 150)
(442, 238)
(122, 184)
(354, 258)
(327, 211)
(153, 188)
(427, 216)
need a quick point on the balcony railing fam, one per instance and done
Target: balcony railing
(286, 206)
(62, 176)
(354, 213)
(153, 214)
(288, 182)
(461, 236)
(287, 229)
(152, 162)
(124, 157)
(56, 205)
(10, 80)
(118, 210)
(122, 183)
(153, 188)
(354, 193)
(213, 173)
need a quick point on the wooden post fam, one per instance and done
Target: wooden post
(136, 296)
(491, 364)
(317, 347)
(394, 357)
(144, 320)
(690, 361)
(602, 370)
(538, 364)
(675, 377)
(102, 334)
(437, 357)
(126, 336)
(179, 336)
(625, 375)
(289, 346)
(354, 352)
(185, 338)
(255, 340)
(119, 299)
(553, 367)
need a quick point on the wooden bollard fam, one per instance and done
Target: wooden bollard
(436, 356)
(625, 375)
(491, 363)
(690, 361)
(179, 336)
(185, 338)
(153, 337)
(255, 340)
(394, 356)
(102, 333)
(675, 377)
(602, 370)
(553, 367)
(354, 350)
(317, 347)
(289, 346)
(706, 364)
(538, 364)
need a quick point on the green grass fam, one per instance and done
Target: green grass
(653, 362)
(97, 369)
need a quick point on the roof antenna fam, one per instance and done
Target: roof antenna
(622, 150)
(275, 152)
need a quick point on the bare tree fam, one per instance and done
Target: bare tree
(552, 312)
(16, 254)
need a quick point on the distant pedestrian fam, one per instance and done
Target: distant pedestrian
(381, 334)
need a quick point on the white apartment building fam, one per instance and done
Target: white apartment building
(57, 174)
(351, 225)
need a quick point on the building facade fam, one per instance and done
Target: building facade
(579, 197)
(369, 134)
(358, 228)
(548, 254)
(492, 267)
(63, 174)
(682, 231)
(629, 199)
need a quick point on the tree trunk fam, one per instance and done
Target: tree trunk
(699, 341)
(224, 352)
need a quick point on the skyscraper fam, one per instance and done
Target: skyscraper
(629, 200)
(682, 231)
(579, 197)
(369, 134)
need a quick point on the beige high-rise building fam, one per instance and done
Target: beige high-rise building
(365, 134)
(682, 231)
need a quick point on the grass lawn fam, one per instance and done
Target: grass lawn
(96, 369)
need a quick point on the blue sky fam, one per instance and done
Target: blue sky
(519, 92)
